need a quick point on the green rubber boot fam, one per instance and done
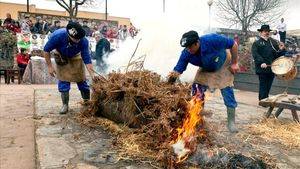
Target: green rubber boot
(65, 100)
(231, 120)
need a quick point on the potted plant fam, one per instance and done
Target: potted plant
(8, 44)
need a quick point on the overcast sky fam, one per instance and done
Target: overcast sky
(142, 10)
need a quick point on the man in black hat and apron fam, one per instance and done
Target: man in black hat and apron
(216, 57)
(264, 51)
(70, 49)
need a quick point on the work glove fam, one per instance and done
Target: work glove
(172, 77)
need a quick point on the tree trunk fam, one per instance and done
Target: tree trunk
(245, 35)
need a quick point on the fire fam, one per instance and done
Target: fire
(187, 134)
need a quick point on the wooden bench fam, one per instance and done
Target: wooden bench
(13, 74)
(3, 73)
(282, 101)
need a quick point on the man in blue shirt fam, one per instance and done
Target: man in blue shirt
(216, 57)
(71, 52)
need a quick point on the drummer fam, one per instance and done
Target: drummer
(264, 51)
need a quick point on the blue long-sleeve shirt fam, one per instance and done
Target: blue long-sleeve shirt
(212, 53)
(59, 41)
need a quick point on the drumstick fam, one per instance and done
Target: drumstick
(273, 65)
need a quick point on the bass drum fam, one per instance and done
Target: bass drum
(284, 68)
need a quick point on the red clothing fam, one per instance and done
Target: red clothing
(13, 28)
(17, 30)
(22, 58)
(237, 40)
(111, 34)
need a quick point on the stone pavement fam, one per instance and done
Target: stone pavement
(17, 143)
(63, 143)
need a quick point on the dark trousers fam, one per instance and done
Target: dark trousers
(265, 83)
(22, 68)
(282, 36)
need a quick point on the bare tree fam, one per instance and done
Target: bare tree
(93, 3)
(71, 6)
(248, 13)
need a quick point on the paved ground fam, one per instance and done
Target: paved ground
(17, 145)
(62, 143)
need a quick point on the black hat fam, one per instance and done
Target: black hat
(189, 38)
(75, 30)
(264, 28)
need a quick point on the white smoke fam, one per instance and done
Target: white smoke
(160, 36)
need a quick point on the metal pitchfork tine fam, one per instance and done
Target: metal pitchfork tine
(99, 75)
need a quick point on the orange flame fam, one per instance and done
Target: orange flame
(187, 133)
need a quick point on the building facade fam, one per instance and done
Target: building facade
(14, 9)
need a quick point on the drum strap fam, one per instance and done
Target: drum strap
(273, 46)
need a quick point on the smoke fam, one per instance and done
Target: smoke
(160, 34)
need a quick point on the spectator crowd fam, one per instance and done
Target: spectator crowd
(104, 34)
(41, 26)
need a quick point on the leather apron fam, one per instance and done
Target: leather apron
(219, 79)
(72, 71)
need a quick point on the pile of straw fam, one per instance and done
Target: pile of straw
(147, 111)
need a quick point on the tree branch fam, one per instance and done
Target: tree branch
(80, 3)
(63, 4)
(248, 13)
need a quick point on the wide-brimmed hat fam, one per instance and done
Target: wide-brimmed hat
(264, 28)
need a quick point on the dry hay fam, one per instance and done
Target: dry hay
(140, 99)
(148, 112)
(286, 133)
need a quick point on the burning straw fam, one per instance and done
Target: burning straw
(149, 113)
(156, 123)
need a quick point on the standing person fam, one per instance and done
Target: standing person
(25, 25)
(236, 39)
(216, 57)
(86, 28)
(55, 27)
(8, 20)
(275, 35)
(102, 51)
(120, 32)
(125, 31)
(282, 30)
(264, 51)
(45, 27)
(22, 60)
(132, 30)
(71, 51)
(104, 30)
(12, 27)
(17, 27)
(38, 26)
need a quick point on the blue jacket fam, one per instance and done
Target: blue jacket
(59, 41)
(212, 53)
